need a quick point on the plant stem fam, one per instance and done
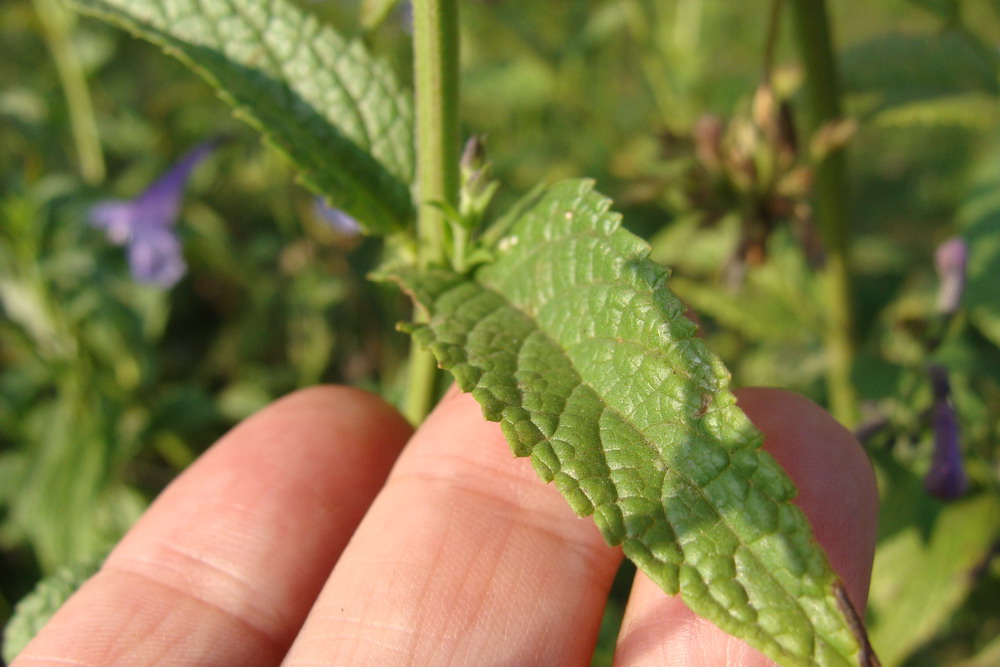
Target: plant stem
(771, 42)
(435, 57)
(421, 382)
(832, 202)
(56, 29)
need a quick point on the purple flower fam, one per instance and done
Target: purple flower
(946, 479)
(336, 219)
(146, 224)
(950, 259)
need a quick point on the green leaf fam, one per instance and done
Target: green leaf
(334, 111)
(35, 609)
(923, 571)
(946, 10)
(975, 111)
(979, 221)
(571, 340)
(988, 657)
(914, 68)
(373, 13)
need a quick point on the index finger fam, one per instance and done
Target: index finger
(223, 567)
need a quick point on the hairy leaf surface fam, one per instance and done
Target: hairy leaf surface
(571, 340)
(37, 607)
(334, 111)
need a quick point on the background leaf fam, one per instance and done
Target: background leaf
(324, 102)
(374, 12)
(915, 68)
(979, 221)
(571, 340)
(925, 560)
(34, 610)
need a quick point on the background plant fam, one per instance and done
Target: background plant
(96, 369)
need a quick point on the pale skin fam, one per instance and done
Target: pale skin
(322, 531)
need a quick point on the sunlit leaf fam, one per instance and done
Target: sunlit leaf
(571, 340)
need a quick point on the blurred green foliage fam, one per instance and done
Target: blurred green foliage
(108, 388)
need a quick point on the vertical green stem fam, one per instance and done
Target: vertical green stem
(771, 42)
(56, 29)
(421, 382)
(435, 57)
(832, 201)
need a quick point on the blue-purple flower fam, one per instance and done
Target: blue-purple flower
(336, 219)
(146, 224)
(950, 259)
(946, 478)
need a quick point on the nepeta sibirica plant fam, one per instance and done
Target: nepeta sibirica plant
(715, 127)
(551, 314)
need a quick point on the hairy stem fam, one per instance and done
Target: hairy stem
(435, 56)
(832, 201)
(421, 385)
(54, 20)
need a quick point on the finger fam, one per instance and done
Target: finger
(223, 567)
(464, 558)
(837, 493)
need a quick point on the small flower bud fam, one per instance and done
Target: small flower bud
(951, 258)
(946, 478)
(336, 219)
(708, 133)
(474, 153)
(477, 187)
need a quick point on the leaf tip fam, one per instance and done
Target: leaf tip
(866, 654)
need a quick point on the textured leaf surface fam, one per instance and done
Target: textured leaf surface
(571, 340)
(333, 110)
(36, 608)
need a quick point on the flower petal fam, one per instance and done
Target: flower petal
(154, 256)
(159, 205)
(145, 223)
(336, 219)
(946, 479)
(116, 217)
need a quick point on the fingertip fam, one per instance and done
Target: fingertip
(334, 407)
(477, 561)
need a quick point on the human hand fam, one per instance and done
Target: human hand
(300, 537)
